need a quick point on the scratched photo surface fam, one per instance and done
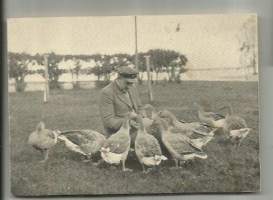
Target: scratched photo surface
(163, 104)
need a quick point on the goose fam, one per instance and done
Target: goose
(84, 142)
(213, 119)
(147, 148)
(197, 142)
(115, 148)
(235, 126)
(43, 140)
(192, 127)
(179, 145)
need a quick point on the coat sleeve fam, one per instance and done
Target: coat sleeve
(140, 108)
(106, 105)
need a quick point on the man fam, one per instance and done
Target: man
(118, 100)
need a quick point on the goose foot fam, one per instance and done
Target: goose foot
(127, 170)
(124, 168)
(45, 155)
(154, 169)
(177, 164)
(143, 168)
(98, 163)
(148, 170)
(86, 160)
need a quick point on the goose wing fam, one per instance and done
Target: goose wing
(117, 143)
(148, 146)
(235, 123)
(214, 116)
(78, 137)
(95, 141)
(178, 144)
(88, 141)
(198, 143)
(203, 129)
(181, 130)
(196, 127)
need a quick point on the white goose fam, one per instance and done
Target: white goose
(84, 142)
(116, 147)
(147, 148)
(43, 140)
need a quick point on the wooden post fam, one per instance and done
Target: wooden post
(46, 89)
(136, 50)
(151, 98)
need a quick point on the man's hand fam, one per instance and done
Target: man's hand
(134, 124)
(132, 115)
(142, 113)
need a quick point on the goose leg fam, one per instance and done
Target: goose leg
(176, 163)
(45, 155)
(157, 168)
(143, 168)
(88, 158)
(179, 163)
(98, 163)
(186, 162)
(124, 168)
(238, 144)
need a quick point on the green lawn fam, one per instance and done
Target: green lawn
(225, 170)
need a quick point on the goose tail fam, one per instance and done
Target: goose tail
(59, 133)
(201, 155)
(200, 142)
(70, 145)
(105, 150)
(163, 157)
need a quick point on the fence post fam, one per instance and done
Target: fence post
(136, 48)
(151, 98)
(46, 89)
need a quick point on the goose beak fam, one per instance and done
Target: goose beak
(57, 132)
(105, 150)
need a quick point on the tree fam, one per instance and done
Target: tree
(53, 71)
(167, 60)
(97, 71)
(248, 44)
(76, 71)
(102, 67)
(141, 65)
(18, 69)
(119, 60)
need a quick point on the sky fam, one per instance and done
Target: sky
(208, 41)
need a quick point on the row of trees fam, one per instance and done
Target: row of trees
(102, 66)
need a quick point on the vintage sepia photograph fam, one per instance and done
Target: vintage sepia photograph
(152, 104)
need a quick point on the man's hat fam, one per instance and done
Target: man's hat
(129, 73)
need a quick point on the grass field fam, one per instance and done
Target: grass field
(225, 170)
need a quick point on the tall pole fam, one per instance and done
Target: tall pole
(46, 89)
(136, 50)
(151, 98)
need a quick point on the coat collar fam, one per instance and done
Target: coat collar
(121, 94)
